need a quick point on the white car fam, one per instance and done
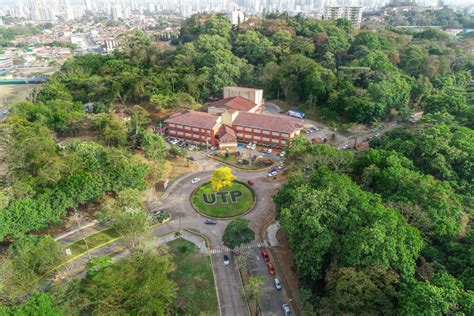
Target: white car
(282, 154)
(226, 260)
(286, 310)
(253, 146)
(277, 283)
(272, 173)
(269, 151)
(195, 180)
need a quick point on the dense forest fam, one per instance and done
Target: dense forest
(444, 17)
(387, 231)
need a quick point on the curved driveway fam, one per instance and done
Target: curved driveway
(177, 202)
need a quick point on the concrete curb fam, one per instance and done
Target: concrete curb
(90, 224)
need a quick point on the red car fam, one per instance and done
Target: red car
(265, 256)
(271, 269)
(250, 182)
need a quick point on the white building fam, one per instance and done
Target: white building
(352, 13)
(237, 17)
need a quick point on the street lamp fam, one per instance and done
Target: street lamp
(321, 117)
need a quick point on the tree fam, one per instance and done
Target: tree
(222, 178)
(27, 260)
(128, 217)
(254, 288)
(237, 233)
(444, 295)
(38, 304)
(329, 221)
(139, 284)
(367, 291)
(154, 146)
(138, 117)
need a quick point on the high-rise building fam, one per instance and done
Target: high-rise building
(352, 13)
(237, 16)
(116, 12)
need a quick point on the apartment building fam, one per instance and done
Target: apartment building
(352, 13)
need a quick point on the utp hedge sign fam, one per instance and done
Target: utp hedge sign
(224, 197)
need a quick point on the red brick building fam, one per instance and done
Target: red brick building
(234, 121)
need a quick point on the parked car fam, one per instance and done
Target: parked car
(195, 180)
(272, 173)
(226, 260)
(253, 146)
(286, 310)
(271, 269)
(277, 283)
(210, 222)
(250, 182)
(269, 151)
(191, 158)
(237, 154)
(282, 154)
(265, 256)
(249, 145)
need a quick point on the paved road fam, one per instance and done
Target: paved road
(178, 203)
(272, 299)
(176, 200)
(336, 138)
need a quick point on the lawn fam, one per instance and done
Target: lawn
(220, 209)
(92, 241)
(195, 280)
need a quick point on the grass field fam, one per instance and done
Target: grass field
(219, 209)
(92, 241)
(195, 280)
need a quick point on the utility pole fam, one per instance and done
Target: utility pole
(321, 117)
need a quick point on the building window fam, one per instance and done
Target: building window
(275, 140)
(187, 128)
(239, 134)
(256, 137)
(171, 125)
(188, 134)
(275, 134)
(180, 133)
(256, 130)
(248, 129)
(179, 126)
(285, 135)
(265, 132)
(266, 139)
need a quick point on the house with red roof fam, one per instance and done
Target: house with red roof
(232, 120)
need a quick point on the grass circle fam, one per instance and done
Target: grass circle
(219, 209)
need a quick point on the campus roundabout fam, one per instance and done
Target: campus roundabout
(230, 202)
